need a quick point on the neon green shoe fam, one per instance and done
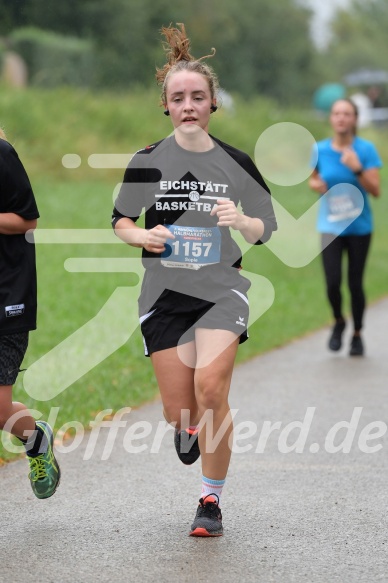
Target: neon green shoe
(44, 469)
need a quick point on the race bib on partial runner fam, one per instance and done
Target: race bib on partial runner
(192, 248)
(343, 207)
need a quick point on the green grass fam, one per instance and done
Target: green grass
(46, 125)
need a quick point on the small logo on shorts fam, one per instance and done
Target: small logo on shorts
(16, 310)
(240, 321)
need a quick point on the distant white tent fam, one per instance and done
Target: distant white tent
(366, 77)
(363, 79)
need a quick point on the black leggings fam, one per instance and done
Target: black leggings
(357, 247)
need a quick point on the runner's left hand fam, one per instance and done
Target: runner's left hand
(350, 159)
(227, 213)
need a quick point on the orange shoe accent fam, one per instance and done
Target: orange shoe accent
(203, 532)
(192, 431)
(210, 498)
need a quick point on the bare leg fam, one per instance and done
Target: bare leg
(25, 424)
(176, 383)
(202, 390)
(212, 384)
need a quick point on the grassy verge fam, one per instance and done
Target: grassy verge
(63, 122)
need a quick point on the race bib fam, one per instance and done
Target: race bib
(343, 207)
(192, 248)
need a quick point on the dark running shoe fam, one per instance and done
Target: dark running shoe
(335, 341)
(208, 520)
(186, 445)
(356, 347)
(44, 469)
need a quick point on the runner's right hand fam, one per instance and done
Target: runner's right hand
(156, 238)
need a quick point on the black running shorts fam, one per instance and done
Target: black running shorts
(175, 314)
(12, 350)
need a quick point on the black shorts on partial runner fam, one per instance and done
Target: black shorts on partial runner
(175, 314)
(12, 350)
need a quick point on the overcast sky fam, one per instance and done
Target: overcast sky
(323, 12)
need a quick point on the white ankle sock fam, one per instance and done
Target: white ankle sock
(212, 487)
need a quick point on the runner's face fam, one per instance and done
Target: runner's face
(189, 100)
(343, 118)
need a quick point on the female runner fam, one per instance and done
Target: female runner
(193, 304)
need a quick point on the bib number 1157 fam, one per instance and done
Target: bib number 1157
(192, 248)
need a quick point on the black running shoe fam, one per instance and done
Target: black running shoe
(208, 520)
(356, 347)
(335, 341)
(186, 445)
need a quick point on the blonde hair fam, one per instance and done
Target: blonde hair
(177, 49)
(2, 134)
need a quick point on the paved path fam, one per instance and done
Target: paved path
(307, 516)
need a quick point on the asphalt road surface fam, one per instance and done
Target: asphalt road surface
(305, 498)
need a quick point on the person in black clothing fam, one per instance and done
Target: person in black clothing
(193, 305)
(18, 307)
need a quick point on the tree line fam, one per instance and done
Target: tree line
(262, 47)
